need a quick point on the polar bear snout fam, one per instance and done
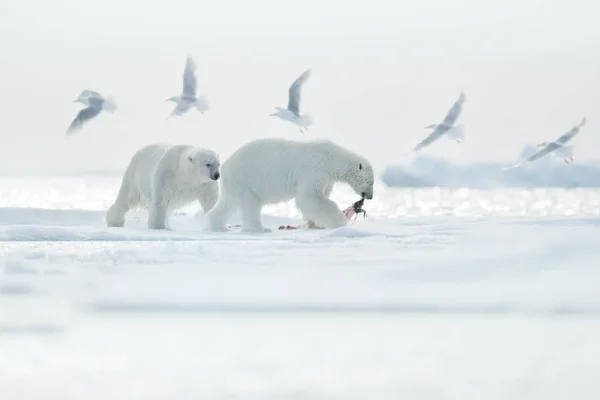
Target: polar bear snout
(368, 194)
(213, 170)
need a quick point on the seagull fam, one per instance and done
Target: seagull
(95, 103)
(447, 126)
(292, 112)
(564, 152)
(557, 146)
(188, 96)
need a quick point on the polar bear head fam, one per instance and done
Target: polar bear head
(361, 178)
(204, 165)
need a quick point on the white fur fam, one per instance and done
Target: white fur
(270, 171)
(161, 178)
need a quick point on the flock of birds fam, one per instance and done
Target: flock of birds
(96, 103)
(449, 128)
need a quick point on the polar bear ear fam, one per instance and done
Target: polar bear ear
(360, 166)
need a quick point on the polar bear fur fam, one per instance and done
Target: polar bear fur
(270, 171)
(163, 177)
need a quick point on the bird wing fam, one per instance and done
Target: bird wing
(90, 93)
(571, 134)
(96, 102)
(181, 108)
(550, 147)
(514, 166)
(189, 78)
(294, 92)
(86, 95)
(455, 110)
(83, 116)
(564, 151)
(435, 135)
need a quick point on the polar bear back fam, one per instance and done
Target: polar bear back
(166, 165)
(142, 167)
(273, 170)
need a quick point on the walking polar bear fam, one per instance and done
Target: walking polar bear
(270, 171)
(163, 177)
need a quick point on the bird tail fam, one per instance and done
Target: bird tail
(109, 104)
(201, 104)
(457, 133)
(565, 151)
(307, 119)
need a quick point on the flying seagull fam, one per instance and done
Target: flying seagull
(188, 96)
(292, 112)
(565, 152)
(558, 146)
(454, 132)
(95, 103)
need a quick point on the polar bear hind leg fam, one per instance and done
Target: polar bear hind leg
(218, 216)
(128, 198)
(310, 224)
(157, 213)
(251, 208)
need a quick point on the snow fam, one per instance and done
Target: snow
(439, 293)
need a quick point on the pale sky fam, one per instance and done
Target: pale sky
(382, 71)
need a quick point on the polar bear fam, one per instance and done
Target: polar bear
(163, 177)
(269, 171)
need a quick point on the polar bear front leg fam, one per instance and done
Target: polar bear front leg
(310, 224)
(209, 196)
(320, 210)
(157, 216)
